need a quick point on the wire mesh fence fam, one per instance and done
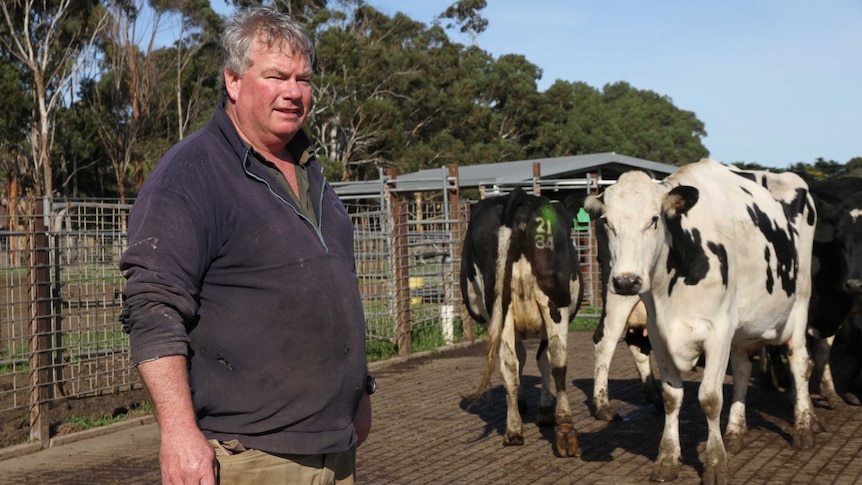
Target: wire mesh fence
(59, 305)
(61, 291)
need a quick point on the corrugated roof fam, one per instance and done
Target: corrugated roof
(509, 174)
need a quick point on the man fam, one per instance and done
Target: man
(242, 302)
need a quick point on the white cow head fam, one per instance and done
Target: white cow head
(634, 212)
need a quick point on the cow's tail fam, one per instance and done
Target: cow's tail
(516, 198)
(495, 332)
(495, 326)
(501, 291)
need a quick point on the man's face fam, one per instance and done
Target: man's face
(272, 97)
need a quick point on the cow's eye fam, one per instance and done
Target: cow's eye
(654, 223)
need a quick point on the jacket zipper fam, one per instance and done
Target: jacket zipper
(290, 204)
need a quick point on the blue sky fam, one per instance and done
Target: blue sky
(774, 81)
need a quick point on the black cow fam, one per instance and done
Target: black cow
(520, 278)
(837, 277)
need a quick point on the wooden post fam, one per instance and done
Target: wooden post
(537, 175)
(459, 229)
(403, 324)
(41, 385)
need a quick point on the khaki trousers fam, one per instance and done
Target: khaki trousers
(255, 467)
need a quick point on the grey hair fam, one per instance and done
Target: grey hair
(275, 29)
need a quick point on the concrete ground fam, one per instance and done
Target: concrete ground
(426, 432)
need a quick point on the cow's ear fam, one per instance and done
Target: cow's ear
(679, 200)
(573, 203)
(594, 205)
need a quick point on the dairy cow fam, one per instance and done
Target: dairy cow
(837, 278)
(721, 259)
(520, 279)
(623, 316)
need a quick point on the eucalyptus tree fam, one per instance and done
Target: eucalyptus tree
(854, 167)
(13, 129)
(366, 62)
(144, 85)
(52, 41)
(577, 119)
(197, 40)
(821, 169)
(574, 120)
(656, 129)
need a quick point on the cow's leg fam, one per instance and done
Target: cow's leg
(669, 458)
(617, 310)
(805, 420)
(820, 352)
(510, 371)
(716, 355)
(521, 352)
(566, 435)
(545, 416)
(737, 427)
(651, 387)
(853, 393)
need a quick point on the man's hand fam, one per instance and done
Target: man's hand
(186, 457)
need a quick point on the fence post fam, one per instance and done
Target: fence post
(39, 277)
(403, 327)
(537, 176)
(459, 227)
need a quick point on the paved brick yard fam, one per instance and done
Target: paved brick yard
(425, 432)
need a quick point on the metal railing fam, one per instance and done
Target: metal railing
(61, 290)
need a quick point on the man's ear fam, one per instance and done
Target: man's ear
(231, 83)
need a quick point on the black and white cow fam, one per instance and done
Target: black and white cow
(520, 278)
(837, 279)
(721, 259)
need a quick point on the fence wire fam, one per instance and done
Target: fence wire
(61, 291)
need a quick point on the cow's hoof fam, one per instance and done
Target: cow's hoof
(652, 389)
(546, 416)
(665, 471)
(852, 399)
(803, 438)
(817, 426)
(607, 413)
(733, 443)
(567, 441)
(833, 400)
(513, 439)
(716, 475)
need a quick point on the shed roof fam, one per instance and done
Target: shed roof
(553, 171)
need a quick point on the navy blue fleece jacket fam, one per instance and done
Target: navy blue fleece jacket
(223, 268)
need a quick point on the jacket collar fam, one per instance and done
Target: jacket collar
(300, 146)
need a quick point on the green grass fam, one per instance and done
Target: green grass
(588, 321)
(81, 423)
(431, 338)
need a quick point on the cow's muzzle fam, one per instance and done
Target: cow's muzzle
(627, 284)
